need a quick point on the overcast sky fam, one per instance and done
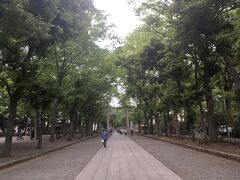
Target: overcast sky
(121, 14)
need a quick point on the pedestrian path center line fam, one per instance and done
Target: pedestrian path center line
(123, 159)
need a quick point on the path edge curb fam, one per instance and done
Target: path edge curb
(30, 157)
(207, 151)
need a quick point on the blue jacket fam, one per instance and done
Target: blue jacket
(104, 135)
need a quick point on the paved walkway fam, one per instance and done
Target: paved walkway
(123, 159)
(190, 164)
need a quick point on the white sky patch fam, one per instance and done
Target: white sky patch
(123, 17)
(115, 102)
(120, 14)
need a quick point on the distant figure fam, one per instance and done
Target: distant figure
(131, 132)
(104, 137)
(32, 133)
(19, 134)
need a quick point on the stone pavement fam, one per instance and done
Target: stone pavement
(190, 164)
(123, 159)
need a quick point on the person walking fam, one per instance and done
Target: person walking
(131, 132)
(104, 137)
(19, 134)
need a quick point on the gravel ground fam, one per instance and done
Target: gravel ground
(64, 164)
(189, 164)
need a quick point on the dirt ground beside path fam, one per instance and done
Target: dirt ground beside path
(63, 164)
(26, 148)
(223, 147)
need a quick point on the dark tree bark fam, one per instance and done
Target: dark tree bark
(81, 128)
(168, 129)
(7, 148)
(70, 130)
(199, 101)
(165, 120)
(146, 121)
(87, 127)
(37, 121)
(72, 127)
(158, 127)
(151, 128)
(139, 124)
(64, 127)
(53, 121)
(210, 105)
(192, 133)
(167, 124)
(177, 126)
(236, 78)
(3, 121)
(40, 130)
(90, 126)
(228, 84)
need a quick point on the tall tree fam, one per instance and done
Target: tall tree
(23, 36)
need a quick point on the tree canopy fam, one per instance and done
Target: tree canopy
(188, 64)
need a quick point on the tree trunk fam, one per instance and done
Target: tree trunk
(177, 126)
(203, 123)
(70, 130)
(145, 121)
(36, 122)
(227, 108)
(165, 121)
(82, 131)
(64, 127)
(151, 124)
(94, 125)
(40, 131)
(199, 98)
(12, 107)
(4, 130)
(53, 121)
(81, 128)
(158, 125)
(86, 127)
(236, 78)
(91, 126)
(190, 118)
(210, 106)
(168, 129)
(139, 124)
(192, 133)
(237, 92)
(159, 128)
(161, 124)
